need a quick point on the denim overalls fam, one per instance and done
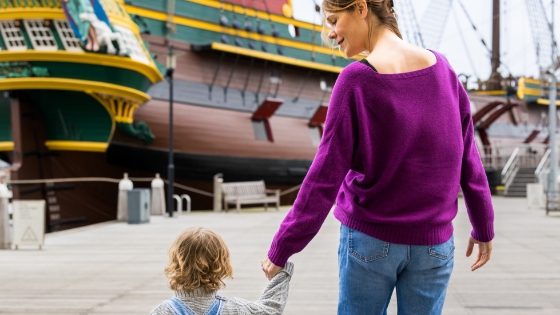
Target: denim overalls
(178, 307)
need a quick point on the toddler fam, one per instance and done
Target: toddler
(198, 263)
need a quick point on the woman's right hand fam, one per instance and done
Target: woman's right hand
(484, 252)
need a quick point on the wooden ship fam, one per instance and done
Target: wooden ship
(251, 90)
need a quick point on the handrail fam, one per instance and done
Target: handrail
(511, 176)
(510, 170)
(542, 163)
(510, 161)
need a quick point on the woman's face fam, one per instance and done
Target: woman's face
(346, 29)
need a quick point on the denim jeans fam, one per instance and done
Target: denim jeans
(370, 269)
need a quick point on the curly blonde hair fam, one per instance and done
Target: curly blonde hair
(198, 258)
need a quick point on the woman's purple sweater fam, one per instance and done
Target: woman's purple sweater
(395, 150)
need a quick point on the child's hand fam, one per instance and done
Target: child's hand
(269, 268)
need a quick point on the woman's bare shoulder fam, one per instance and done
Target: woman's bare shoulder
(419, 58)
(405, 59)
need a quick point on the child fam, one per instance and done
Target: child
(198, 262)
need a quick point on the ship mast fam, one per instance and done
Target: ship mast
(495, 77)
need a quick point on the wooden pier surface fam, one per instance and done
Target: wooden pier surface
(115, 268)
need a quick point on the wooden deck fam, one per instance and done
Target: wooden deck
(114, 268)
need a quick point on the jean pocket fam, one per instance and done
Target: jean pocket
(365, 247)
(442, 251)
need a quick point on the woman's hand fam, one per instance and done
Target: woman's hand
(269, 268)
(484, 251)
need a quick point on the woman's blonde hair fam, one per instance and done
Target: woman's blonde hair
(382, 9)
(198, 258)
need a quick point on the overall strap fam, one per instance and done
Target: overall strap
(178, 307)
(216, 307)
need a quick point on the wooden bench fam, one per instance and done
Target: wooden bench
(240, 193)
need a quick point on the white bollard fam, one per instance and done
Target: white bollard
(158, 196)
(218, 180)
(124, 186)
(535, 196)
(179, 205)
(5, 235)
(188, 200)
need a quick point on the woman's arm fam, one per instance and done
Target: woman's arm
(273, 300)
(322, 183)
(474, 182)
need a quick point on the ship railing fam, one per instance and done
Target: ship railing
(30, 4)
(114, 8)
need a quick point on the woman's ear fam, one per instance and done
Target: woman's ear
(362, 8)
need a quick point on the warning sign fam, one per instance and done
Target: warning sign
(29, 222)
(29, 236)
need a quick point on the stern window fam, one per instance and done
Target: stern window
(13, 36)
(67, 37)
(41, 37)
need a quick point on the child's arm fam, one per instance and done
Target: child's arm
(273, 300)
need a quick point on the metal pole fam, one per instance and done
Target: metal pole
(552, 183)
(495, 76)
(171, 166)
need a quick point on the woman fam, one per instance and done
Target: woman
(398, 145)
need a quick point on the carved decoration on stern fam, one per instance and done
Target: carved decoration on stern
(122, 111)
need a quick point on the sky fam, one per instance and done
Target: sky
(461, 44)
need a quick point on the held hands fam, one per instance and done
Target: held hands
(269, 268)
(484, 251)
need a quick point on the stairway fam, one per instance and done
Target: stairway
(518, 187)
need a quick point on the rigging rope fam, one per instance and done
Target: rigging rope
(416, 25)
(410, 24)
(433, 22)
(481, 37)
(543, 35)
(465, 45)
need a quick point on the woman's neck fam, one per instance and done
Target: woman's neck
(383, 38)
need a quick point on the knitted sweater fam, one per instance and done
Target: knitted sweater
(272, 300)
(395, 151)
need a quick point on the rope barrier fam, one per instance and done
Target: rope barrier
(287, 191)
(63, 180)
(201, 192)
(102, 179)
(116, 181)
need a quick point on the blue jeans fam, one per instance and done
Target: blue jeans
(370, 269)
